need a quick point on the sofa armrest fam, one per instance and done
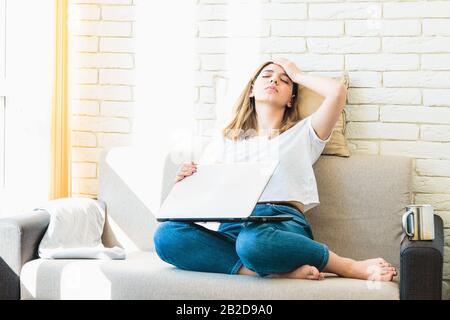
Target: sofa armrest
(421, 264)
(19, 240)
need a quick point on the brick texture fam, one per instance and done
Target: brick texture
(102, 55)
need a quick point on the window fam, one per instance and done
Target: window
(2, 90)
(26, 74)
(2, 142)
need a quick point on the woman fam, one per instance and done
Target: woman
(267, 113)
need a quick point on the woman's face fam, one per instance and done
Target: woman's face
(273, 86)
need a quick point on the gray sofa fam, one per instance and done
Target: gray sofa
(362, 201)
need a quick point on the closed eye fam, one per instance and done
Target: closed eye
(285, 81)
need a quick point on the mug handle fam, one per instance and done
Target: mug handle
(405, 223)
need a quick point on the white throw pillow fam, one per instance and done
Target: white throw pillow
(75, 231)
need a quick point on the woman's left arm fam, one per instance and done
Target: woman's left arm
(335, 93)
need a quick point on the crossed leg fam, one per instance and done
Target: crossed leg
(184, 246)
(376, 269)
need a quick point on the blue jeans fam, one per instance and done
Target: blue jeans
(264, 248)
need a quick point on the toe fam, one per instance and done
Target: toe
(388, 269)
(387, 277)
(382, 276)
(313, 273)
(393, 271)
(384, 271)
(387, 274)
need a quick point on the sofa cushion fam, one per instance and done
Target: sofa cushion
(310, 101)
(144, 276)
(362, 200)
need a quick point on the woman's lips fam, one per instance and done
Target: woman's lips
(272, 89)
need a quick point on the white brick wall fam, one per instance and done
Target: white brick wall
(102, 73)
(396, 52)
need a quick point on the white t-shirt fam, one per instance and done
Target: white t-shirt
(297, 149)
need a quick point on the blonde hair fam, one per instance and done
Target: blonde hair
(244, 122)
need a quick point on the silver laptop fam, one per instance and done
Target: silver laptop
(222, 192)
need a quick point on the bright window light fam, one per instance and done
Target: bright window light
(243, 54)
(164, 114)
(29, 81)
(164, 123)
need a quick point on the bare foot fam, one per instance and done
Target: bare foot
(247, 272)
(376, 269)
(304, 272)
